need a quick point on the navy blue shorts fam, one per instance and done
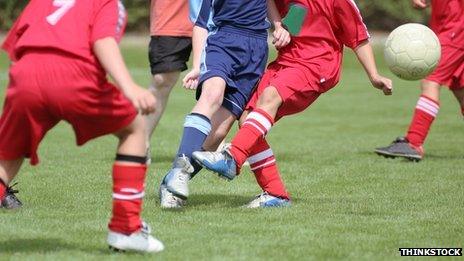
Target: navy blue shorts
(239, 57)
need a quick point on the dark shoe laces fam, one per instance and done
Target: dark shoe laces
(400, 140)
(11, 190)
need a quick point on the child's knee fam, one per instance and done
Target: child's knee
(212, 93)
(270, 98)
(136, 127)
(165, 80)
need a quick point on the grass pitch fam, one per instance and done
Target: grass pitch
(348, 203)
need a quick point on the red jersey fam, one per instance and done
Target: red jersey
(67, 26)
(327, 27)
(448, 22)
(170, 17)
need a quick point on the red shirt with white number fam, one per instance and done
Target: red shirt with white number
(65, 26)
(328, 26)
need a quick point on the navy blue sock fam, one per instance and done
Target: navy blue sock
(196, 129)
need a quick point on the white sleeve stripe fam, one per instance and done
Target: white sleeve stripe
(353, 3)
(260, 156)
(121, 17)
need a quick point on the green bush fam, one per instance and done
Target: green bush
(378, 14)
(388, 14)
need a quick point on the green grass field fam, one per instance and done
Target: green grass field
(348, 202)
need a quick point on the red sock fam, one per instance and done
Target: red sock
(3, 188)
(128, 191)
(263, 164)
(462, 111)
(424, 114)
(256, 126)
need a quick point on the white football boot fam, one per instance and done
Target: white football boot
(264, 200)
(140, 241)
(168, 199)
(178, 177)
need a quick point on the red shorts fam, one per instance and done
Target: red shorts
(45, 88)
(450, 70)
(294, 87)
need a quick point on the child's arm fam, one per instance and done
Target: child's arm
(199, 15)
(419, 4)
(280, 34)
(199, 36)
(366, 58)
(109, 55)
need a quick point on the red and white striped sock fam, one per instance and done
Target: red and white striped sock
(263, 164)
(128, 192)
(256, 125)
(424, 114)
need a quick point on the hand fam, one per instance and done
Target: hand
(419, 4)
(383, 84)
(281, 36)
(190, 80)
(142, 99)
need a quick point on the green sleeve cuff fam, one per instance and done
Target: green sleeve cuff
(295, 18)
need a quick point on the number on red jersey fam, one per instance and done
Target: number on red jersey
(63, 8)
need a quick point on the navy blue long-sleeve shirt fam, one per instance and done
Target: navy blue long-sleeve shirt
(246, 14)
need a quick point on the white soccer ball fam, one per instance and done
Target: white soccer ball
(412, 51)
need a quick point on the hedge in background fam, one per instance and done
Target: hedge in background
(378, 14)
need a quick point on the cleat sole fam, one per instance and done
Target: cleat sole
(394, 155)
(176, 194)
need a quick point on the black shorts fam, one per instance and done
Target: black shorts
(169, 53)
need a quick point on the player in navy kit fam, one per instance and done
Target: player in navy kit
(229, 57)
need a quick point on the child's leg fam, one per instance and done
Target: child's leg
(8, 170)
(426, 110)
(161, 87)
(221, 123)
(256, 125)
(197, 125)
(264, 166)
(128, 178)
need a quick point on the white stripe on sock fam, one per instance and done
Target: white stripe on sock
(260, 156)
(256, 126)
(264, 164)
(430, 102)
(433, 111)
(128, 197)
(261, 119)
(130, 190)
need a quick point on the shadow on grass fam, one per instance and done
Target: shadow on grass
(34, 245)
(51, 245)
(222, 200)
(426, 156)
(226, 200)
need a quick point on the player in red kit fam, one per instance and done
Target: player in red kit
(61, 51)
(304, 69)
(448, 23)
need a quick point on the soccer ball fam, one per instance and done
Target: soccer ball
(412, 51)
